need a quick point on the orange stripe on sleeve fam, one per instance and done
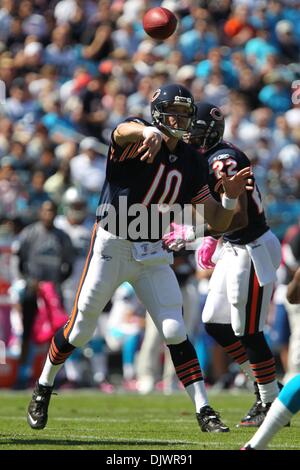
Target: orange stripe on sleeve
(133, 152)
(125, 152)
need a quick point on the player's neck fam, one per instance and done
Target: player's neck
(171, 142)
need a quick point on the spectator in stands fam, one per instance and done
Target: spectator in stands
(88, 168)
(45, 253)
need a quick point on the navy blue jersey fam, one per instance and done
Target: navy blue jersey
(177, 177)
(227, 158)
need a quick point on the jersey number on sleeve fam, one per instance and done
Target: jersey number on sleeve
(230, 167)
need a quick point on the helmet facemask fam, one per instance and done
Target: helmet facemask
(206, 134)
(204, 138)
(182, 121)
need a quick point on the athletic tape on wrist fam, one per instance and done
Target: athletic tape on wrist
(147, 131)
(228, 203)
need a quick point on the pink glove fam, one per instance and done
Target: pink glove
(205, 252)
(179, 235)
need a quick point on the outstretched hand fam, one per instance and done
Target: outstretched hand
(237, 184)
(152, 142)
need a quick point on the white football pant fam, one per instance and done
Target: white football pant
(109, 264)
(235, 295)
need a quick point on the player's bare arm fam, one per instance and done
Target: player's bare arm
(220, 216)
(239, 220)
(150, 138)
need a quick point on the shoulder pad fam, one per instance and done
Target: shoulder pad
(222, 154)
(136, 119)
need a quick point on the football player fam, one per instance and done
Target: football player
(147, 165)
(288, 402)
(243, 279)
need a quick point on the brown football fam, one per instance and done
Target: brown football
(159, 23)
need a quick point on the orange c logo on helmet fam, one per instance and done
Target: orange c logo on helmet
(155, 95)
(216, 114)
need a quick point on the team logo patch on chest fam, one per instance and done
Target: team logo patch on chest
(172, 158)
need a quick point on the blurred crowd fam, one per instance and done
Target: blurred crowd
(71, 70)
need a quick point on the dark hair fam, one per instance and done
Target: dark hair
(52, 203)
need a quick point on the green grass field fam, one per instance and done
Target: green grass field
(90, 420)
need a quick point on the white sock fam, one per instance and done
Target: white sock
(49, 373)
(268, 392)
(197, 392)
(246, 368)
(73, 370)
(128, 371)
(277, 417)
(99, 366)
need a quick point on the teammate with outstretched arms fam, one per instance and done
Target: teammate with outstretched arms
(243, 279)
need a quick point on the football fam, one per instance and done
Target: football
(159, 23)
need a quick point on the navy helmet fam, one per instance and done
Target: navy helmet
(207, 127)
(172, 95)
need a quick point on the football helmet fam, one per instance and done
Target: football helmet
(207, 127)
(74, 205)
(163, 106)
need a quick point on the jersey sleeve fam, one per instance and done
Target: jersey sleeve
(130, 151)
(201, 195)
(200, 190)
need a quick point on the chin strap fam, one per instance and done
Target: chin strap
(178, 133)
(173, 132)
